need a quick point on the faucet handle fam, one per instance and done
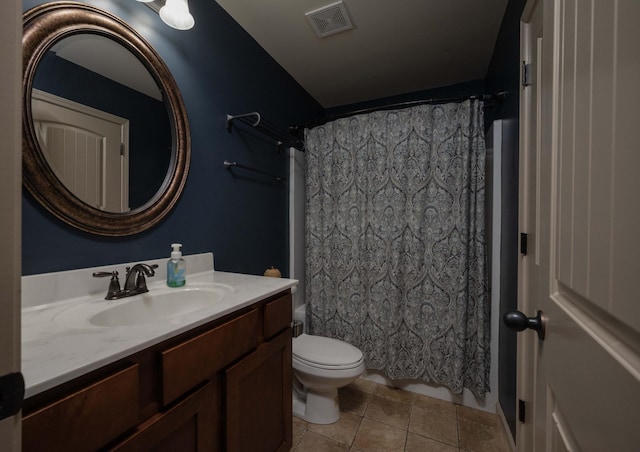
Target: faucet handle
(114, 285)
(141, 283)
(113, 274)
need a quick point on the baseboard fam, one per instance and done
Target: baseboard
(506, 431)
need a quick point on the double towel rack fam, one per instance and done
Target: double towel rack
(229, 165)
(255, 120)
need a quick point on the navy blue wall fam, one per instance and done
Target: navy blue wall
(242, 219)
(504, 70)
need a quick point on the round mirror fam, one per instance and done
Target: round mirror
(106, 144)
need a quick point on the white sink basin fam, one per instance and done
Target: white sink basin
(154, 306)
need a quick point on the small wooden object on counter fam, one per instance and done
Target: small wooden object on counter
(273, 272)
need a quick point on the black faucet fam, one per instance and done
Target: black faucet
(134, 284)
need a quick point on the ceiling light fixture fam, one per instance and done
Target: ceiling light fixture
(175, 13)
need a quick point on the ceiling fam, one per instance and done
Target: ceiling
(395, 47)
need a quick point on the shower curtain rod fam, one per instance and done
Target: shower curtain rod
(492, 98)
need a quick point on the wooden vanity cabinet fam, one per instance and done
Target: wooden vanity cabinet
(258, 398)
(258, 388)
(222, 386)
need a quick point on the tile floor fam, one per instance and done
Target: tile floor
(375, 417)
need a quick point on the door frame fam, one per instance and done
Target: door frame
(10, 203)
(527, 341)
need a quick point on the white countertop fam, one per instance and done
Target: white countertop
(54, 352)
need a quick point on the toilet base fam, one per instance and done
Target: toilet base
(317, 407)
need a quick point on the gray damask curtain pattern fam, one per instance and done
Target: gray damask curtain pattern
(395, 241)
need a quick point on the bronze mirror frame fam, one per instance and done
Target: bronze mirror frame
(45, 25)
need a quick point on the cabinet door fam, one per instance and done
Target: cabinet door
(186, 426)
(259, 398)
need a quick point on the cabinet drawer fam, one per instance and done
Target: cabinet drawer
(86, 419)
(194, 361)
(277, 315)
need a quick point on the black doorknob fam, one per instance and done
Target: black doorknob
(517, 321)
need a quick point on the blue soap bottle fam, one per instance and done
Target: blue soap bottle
(176, 267)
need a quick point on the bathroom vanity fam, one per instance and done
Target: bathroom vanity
(218, 378)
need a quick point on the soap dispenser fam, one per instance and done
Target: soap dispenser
(176, 267)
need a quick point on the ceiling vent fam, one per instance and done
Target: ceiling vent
(330, 19)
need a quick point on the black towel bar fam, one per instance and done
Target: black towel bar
(230, 165)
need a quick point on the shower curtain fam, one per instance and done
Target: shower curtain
(395, 241)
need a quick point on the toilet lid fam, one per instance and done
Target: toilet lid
(325, 351)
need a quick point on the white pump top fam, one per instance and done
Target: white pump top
(176, 253)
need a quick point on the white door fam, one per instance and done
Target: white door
(580, 206)
(86, 149)
(10, 190)
(77, 157)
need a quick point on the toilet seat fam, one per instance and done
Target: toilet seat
(326, 353)
(299, 360)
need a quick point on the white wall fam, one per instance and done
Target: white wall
(296, 223)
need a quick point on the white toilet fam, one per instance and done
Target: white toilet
(321, 365)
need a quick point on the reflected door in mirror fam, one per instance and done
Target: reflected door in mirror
(86, 148)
